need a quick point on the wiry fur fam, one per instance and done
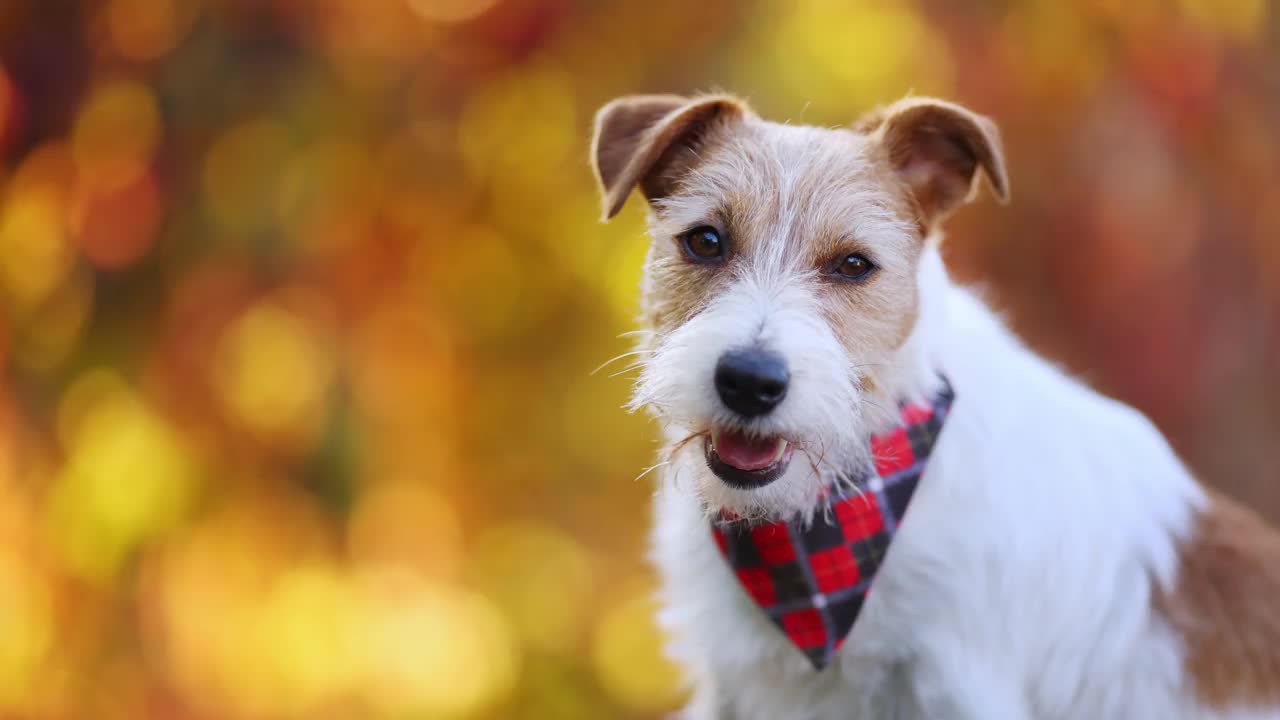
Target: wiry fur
(1049, 518)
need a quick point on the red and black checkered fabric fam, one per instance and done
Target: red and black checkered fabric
(811, 579)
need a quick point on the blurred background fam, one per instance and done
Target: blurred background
(299, 302)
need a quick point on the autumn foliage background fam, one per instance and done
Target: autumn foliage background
(300, 300)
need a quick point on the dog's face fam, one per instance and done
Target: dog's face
(781, 281)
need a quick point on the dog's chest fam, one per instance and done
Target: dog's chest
(985, 607)
(719, 634)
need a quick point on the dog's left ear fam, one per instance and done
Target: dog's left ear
(937, 147)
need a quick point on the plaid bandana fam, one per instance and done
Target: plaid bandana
(812, 580)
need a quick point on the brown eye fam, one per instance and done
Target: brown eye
(703, 243)
(854, 267)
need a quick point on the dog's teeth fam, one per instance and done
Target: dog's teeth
(715, 438)
(782, 448)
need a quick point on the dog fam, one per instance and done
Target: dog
(873, 500)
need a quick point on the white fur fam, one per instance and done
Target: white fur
(1020, 584)
(780, 315)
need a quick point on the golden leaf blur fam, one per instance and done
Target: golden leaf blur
(299, 303)
(116, 132)
(433, 649)
(127, 477)
(240, 170)
(35, 255)
(50, 333)
(26, 622)
(403, 524)
(542, 577)
(326, 189)
(273, 370)
(843, 53)
(304, 633)
(518, 131)
(627, 655)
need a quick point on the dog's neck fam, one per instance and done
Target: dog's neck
(911, 373)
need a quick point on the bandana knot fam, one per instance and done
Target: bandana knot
(811, 579)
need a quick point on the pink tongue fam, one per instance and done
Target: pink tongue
(746, 453)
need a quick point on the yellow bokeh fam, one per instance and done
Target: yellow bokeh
(822, 60)
(613, 269)
(518, 132)
(127, 477)
(303, 631)
(26, 624)
(541, 577)
(1055, 37)
(233, 591)
(628, 657)
(273, 368)
(432, 649)
(35, 255)
(116, 132)
(1237, 19)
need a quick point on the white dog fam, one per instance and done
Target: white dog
(811, 362)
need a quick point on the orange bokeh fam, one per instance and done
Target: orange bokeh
(115, 226)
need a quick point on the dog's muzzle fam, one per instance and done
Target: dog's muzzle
(751, 382)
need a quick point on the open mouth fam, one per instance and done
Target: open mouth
(742, 461)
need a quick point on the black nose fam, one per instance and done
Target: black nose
(751, 382)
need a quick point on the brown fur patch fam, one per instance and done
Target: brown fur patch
(1226, 607)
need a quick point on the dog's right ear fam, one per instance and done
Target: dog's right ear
(650, 140)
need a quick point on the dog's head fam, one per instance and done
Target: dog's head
(781, 282)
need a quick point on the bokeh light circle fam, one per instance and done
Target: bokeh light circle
(542, 577)
(116, 132)
(627, 654)
(433, 649)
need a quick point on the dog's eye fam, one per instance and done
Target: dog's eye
(854, 267)
(703, 243)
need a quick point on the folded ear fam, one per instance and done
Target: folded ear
(936, 147)
(650, 140)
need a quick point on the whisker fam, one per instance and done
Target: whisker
(650, 469)
(678, 446)
(825, 497)
(616, 358)
(841, 477)
(627, 369)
